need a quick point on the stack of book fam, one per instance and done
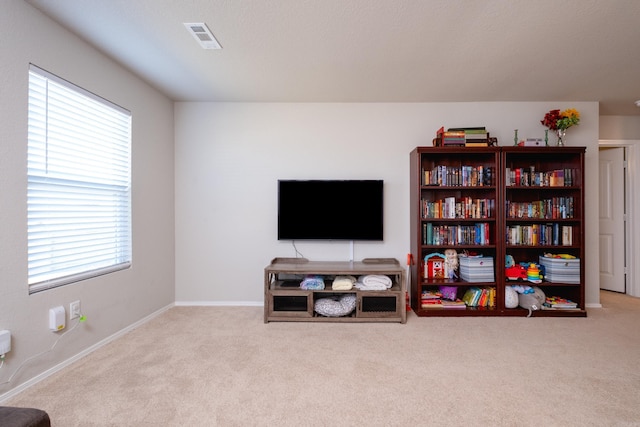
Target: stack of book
(560, 270)
(559, 303)
(430, 299)
(453, 138)
(435, 300)
(462, 137)
(471, 136)
(476, 269)
(476, 137)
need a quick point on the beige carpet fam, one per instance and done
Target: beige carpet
(222, 366)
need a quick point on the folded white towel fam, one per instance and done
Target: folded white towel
(376, 279)
(343, 283)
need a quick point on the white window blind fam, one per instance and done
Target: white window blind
(78, 193)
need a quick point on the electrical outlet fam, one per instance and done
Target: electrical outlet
(74, 310)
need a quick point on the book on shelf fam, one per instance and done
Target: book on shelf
(567, 235)
(458, 303)
(431, 304)
(470, 128)
(476, 134)
(430, 295)
(478, 143)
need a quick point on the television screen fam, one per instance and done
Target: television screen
(330, 210)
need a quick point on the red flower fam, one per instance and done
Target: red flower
(551, 119)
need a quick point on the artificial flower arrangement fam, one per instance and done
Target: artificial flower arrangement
(559, 121)
(555, 119)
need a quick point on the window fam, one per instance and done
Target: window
(78, 192)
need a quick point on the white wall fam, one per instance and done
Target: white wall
(111, 302)
(230, 156)
(620, 127)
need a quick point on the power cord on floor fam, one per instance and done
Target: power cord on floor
(81, 319)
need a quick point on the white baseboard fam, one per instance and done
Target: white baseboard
(17, 390)
(219, 303)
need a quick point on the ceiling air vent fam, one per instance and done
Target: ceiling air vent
(203, 35)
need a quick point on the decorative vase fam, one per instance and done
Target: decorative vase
(561, 137)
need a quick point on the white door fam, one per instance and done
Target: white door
(612, 217)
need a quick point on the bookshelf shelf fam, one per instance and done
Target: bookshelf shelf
(536, 198)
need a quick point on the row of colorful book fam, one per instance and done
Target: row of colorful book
(477, 234)
(458, 176)
(540, 234)
(531, 178)
(553, 208)
(463, 207)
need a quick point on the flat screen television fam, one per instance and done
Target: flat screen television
(330, 210)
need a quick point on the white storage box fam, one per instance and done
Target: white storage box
(477, 269)
(561, 270)
(560, 265)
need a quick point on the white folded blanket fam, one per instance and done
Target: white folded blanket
(371, 287)
(376, 279)
(343, 283)
(373, 282)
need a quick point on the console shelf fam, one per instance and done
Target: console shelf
(285, 301)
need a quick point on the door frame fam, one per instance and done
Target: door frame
(632, 184)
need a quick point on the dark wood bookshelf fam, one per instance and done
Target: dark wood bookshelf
(521, 176)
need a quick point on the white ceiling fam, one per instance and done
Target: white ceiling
(373, 50)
